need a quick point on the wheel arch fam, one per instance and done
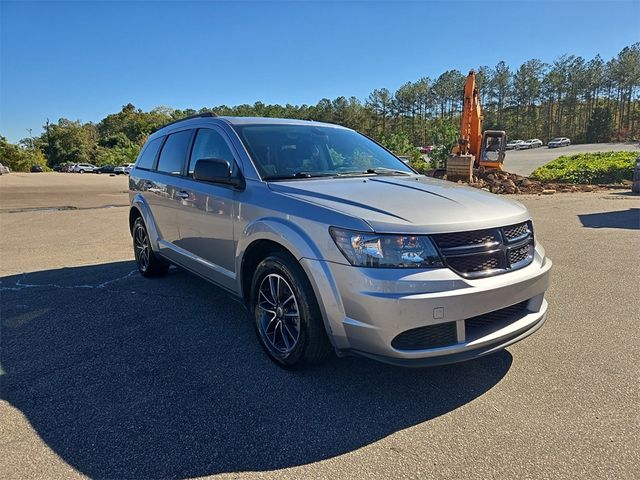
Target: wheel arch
(267, 236)
(140, 208)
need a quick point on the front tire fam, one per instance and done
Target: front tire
(148, 263)
(286, 315)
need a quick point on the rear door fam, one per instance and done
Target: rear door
(207, 210)
(161, 187)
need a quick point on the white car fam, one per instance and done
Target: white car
(83, 167)
(534, 143)
(559, 142)
(4, 169)
(128, 167)
(515, 145)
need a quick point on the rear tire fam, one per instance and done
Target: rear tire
(148, 263)
(286, 314)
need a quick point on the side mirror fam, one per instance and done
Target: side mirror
(216, 170)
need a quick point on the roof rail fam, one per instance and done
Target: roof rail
(199, 115)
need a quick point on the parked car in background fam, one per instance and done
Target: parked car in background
(559, 142)
(83, 167)
(525, 145)
(105, 169)
(4, 169)
(57, 167)
(514, 144)
(330, 254)
(534, 143)
(36, 169)
(66, 167)
(119, 170)
(128, 167)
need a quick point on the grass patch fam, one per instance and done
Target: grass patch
(588, 168)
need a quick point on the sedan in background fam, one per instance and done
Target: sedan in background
(36, 169)
(514, 145)
(559, 142)
(4, 169)
(128, 167)
(534, 143)
(83, 167)
(105, 169)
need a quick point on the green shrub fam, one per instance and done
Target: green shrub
(585, 168)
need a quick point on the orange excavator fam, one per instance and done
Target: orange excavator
(475, 147)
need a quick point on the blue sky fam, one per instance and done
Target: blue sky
(84, 60)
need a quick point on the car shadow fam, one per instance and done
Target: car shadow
(626, 219)
(125, 377)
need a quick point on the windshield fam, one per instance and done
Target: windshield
(290, 151)
(556, 139)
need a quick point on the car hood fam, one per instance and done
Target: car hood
(403, 204)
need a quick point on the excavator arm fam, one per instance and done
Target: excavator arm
(486, 148)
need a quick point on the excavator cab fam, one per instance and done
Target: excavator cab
(492, 153)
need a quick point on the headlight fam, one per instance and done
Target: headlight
(364, 249)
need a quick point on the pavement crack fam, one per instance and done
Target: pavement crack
(21, 285)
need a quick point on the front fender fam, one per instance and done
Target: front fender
(281, 231)
(138, 202)
(307, 252)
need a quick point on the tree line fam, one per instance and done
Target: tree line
(588, 100)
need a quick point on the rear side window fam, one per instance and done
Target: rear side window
(174, 152)
(149, 153)
(210, 144)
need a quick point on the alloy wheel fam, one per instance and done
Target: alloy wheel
(279, 315)
(142, 247)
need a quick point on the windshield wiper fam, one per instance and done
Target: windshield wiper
(297, 175)
(375, 171)
(387, 171)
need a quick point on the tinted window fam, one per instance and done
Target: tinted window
(148, 155)
(174, 152)
(210, 144)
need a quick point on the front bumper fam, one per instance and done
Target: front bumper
(366, 308)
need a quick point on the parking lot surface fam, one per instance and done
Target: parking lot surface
(108, 375)
(524, 162)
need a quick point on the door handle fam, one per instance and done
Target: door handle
(184, 195)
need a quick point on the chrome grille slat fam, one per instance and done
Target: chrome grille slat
(488, 252)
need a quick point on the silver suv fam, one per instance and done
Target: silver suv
(334, 244)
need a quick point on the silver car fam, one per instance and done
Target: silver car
(336, 245)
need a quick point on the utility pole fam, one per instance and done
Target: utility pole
(30, 137)
(51, 156)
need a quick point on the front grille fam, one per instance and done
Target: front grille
(515, 231)
(476, 325)
(475, 263)
(517, 255)
(465, 239)
(481, 253)
(430, 336)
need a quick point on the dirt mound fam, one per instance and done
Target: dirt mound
(510, 183)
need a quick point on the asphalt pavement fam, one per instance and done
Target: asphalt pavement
(524, 162)
(105, 374)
